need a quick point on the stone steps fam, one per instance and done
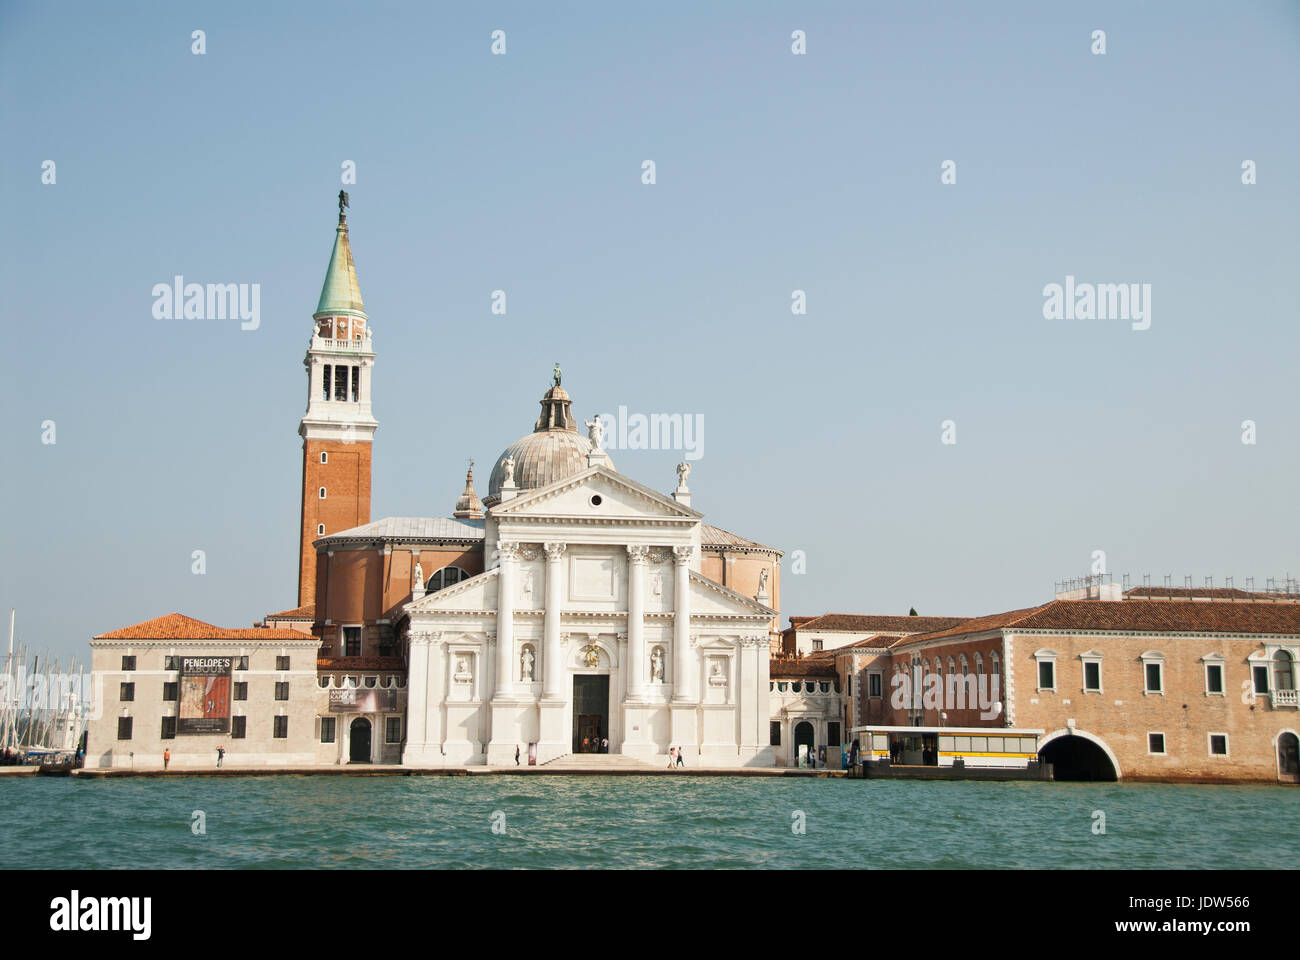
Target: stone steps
(598, 761)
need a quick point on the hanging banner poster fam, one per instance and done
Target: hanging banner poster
(204, 695)
(363, 700)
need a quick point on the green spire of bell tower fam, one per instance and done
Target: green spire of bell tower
(341, 294)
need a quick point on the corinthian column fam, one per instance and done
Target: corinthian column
(636, 560)
(509, 554)
(551, 660)
(683, 671)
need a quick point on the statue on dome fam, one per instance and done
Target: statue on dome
(555, 374)
(596, 432)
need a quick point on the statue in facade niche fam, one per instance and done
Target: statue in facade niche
(596, 432)
(526, 665)
(657, 585)
(657, 666)
(463, 672)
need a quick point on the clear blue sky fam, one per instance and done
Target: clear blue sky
(775, 172)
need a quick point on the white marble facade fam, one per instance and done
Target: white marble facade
(593, 575)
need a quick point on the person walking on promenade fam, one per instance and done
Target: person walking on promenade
(221, 754)
(680, 762)
(671, 756)
(167, 757)
(516, 754)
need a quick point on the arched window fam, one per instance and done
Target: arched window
(979, 665)
(1283, 671)
(445, 577)
(965, 666)
(995, 664)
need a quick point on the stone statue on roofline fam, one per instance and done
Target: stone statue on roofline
(596, 432)
(683, 471)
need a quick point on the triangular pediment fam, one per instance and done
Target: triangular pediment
(620, 499)
(709, 598)
(477, 593)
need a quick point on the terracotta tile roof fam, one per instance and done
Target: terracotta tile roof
(1200, 593)
(878, 641)
(1167, 616)
(783, 669)
(878, 623)
(717, 537)
(1153, 616)
(360, 663)
(307, 612)
(175, 626)
(980, 624)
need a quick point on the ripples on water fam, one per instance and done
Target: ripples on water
(636, 822)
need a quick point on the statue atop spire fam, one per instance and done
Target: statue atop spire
(343, 202)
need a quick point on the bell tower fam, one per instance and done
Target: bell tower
(338, 428)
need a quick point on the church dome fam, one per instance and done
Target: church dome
(554, 450)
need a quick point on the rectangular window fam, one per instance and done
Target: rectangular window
(325, 383)
(241, 690)
(128, 663)
(873, 685)
(281, 727)
(817, 644)
(282, 690)
(169, 728)
(774, 733)
(241, 663)
(356, 384)
(326, 729)
(127, 693)
(1092, 676)
(393, 730)
(1214, 678)
(238, 728)
(1154, 678)
(833, 733)
(1046, 675)
(171, 691)
(124, 728)
(282, 663)
(1260, 675)
(171, 663)
(1218, 744)
(351, 641)
(1155, 743)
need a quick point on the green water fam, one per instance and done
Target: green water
(638, 822)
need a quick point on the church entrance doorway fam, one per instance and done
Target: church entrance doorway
(803, 743)
(590, 712)
(359, 741)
